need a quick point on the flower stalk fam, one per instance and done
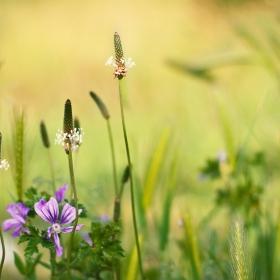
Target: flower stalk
(131, 184)
(68, 128)
(121, 66)
(105, 113)
(3, 251)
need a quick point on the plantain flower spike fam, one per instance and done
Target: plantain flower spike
(3, 163)
(121, 65)
(70, 135)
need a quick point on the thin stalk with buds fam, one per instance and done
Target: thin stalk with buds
(68, 130)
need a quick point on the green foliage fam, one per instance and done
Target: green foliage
(211, 169)
(27, 269)
(33, 239)
(104, 243)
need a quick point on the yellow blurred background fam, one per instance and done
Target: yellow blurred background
(51, 51)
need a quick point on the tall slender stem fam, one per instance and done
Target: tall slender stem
(52, 256)
(131, 186)
(73, 189)
(3, 251)
(52, 171)
(113, 157)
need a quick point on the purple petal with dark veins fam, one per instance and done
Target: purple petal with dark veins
(60, 193)
(10, 223)
(48, 211)
(69, 229)
(58, 248)
(68, 214)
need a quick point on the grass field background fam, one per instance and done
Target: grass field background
(54, 50)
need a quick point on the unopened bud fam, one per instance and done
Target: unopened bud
(125, 176)
(77, 123)
(102, 107)
(44, 134)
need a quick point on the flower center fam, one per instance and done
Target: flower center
(56, 228)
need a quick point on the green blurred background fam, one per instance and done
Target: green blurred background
(54, 50)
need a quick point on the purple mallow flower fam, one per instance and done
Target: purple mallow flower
(60, 193)
(49, 211)
(18, 211)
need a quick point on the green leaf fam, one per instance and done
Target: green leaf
(33, 239)
(211, 169)
(103, 243)
(19, 264)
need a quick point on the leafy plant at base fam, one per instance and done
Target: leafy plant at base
(104, 243)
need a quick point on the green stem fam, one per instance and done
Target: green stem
(52, 256)
(131, 186)
(52, 171)
(113, 157)
(73, 189)
(3, 251)
(63, 270)
(121, 191)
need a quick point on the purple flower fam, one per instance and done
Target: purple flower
(18, 212)
(49, 211)
(60, 193)
(87, 238)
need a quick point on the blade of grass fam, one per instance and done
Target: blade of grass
(154, 169)
(192, 248)
(171, 187)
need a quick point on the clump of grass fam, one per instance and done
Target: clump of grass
(239, 252)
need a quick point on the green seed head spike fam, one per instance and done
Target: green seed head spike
(102, 107)
(77, 123)
(44, 134)
(68, 118)
(118, 49)
(125, 176)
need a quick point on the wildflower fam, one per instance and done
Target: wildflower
(86, 237)
(121, 67)
(120, 64)
(4, 164)
(75, 138)
(49, 211)
(18, 211)
(222, 156)
(60, 193)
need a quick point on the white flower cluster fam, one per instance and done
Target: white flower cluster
(120, 67)
(4, 164)
(127, 63)
(75, 138)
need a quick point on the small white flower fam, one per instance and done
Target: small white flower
(75, 138)
(4, 164)
(120, 66)
(222, 156)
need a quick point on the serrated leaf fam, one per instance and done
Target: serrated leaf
(19, 264)
(104, 242)
(33, 239)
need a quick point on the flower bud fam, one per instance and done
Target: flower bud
(102, 107)
(44, 134)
